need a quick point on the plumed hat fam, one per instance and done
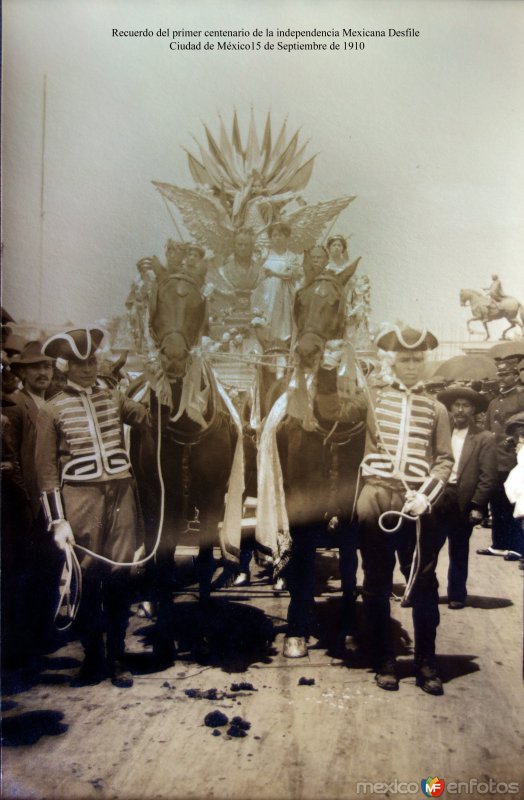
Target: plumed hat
(396, 340)
(32, 353)
(78, 343)
(458, 392)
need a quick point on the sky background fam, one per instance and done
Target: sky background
(426, 131)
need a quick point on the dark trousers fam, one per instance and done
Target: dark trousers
(103, 517)
(506, 531)
(454, 526)
(378, 560)
(301, 576)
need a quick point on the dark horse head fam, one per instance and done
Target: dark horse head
(177, 320)
(319, 314)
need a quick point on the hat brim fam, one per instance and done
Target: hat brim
(408, 340)
(20, 361)
(479, 401)
(79, 343)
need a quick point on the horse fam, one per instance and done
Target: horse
(485, 310)
(186, 459)
(319, 455)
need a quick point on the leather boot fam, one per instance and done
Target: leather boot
(93, 669)
(427, 677)
(386, 676)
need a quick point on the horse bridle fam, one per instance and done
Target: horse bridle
(188, 345)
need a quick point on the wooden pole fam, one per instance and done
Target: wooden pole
(42, 187)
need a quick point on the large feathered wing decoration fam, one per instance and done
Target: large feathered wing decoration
(204, 217)
(310, 222)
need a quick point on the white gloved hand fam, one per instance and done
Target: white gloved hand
(416, 504)
(63, 533)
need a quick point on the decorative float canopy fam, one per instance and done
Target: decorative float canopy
(251, 184)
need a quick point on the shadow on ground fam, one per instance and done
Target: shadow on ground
(19, 730)
(227, 634)
(40, 670)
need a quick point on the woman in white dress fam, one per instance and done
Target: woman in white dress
(272, 300)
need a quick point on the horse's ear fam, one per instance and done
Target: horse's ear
(349, 271)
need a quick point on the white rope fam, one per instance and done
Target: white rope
(400, 515)
(72, 570)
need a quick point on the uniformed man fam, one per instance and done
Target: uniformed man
(88, 495)
(506, 532)
(406, 465)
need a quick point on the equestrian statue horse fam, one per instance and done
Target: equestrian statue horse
(312, 447)
(186, 461)
(485, 310)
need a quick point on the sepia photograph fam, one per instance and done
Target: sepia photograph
(262, 518)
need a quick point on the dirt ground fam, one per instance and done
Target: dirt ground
(339, 737)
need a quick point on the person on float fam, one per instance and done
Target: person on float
(273, 298)
(337, 248)
(473, 478)
(89, 496)
(407, 462)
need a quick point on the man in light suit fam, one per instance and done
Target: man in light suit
(471, 484)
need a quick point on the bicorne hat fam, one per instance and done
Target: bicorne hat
(395, 340)
(79, 343)
(456, 391)
(32, 353)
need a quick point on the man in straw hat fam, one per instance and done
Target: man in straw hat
(406, 465)
(89, 497)
(472, 480)
(506, 532)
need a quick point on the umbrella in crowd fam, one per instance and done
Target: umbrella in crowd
(467, 368)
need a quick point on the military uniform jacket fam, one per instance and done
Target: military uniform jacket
(80, 436)
(408, 439)
(499, 411)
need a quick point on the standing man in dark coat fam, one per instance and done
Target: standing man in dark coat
(472, 481)
(506, 532)
(89, 496)
(35, 370)
(406, 465)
